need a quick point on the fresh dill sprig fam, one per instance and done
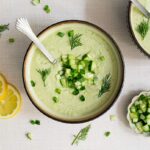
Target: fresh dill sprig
(106, 82)
(4, 27)
(75, 39)
(44, 74)
(82, 135)
(143, 28)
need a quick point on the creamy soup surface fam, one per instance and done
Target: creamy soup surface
(69, 106)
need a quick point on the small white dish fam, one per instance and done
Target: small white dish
(132, 125)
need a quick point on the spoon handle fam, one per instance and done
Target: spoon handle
(141, 8)
(23, 26)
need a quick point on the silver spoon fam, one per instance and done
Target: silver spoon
(23, 26)
(141, 8)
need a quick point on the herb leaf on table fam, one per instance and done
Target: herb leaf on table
(82, 135)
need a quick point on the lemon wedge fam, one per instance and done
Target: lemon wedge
(3, 86)
(11, 103)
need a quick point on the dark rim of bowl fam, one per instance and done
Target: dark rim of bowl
(132, 33)
(122, 70)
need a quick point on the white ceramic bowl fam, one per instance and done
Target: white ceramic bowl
(132, 125)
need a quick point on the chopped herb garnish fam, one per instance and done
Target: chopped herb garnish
(81, 136)
(82, 98)
(60, 34)
(32, 83)
(36, 2)
(143, 28)
(47, 9)
(29, 135)
(75, 92)
(35, 122)
(102, 58)
(11, 40)
(112, 117)
(55, 99)
(58, 91)
(107, 133)
(75, 39)
(71, 33)
(44, 74)
(106, 82)
(4, 27)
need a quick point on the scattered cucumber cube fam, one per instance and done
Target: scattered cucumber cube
(76, 72)
(58, 91)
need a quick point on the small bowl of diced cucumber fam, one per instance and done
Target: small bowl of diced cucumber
(139, 113)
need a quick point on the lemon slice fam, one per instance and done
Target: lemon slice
(3, 86)
(10, 105)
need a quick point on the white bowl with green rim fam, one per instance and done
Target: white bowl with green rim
(70, 109)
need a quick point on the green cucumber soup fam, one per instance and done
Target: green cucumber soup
(140, 25)
(85, 80)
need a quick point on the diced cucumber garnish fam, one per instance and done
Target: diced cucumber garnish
(139, 126)
(63, 82)
(146, 128)
(76, 72)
